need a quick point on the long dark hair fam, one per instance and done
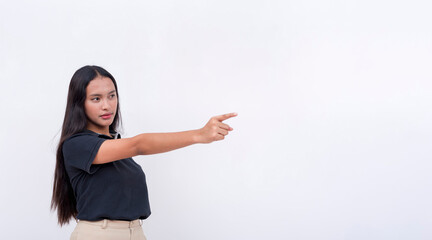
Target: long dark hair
(75, 121)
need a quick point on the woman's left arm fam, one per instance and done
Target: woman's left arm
(152, 143)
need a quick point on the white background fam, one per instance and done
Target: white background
(333, 137)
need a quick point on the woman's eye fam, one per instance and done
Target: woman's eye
(112, 95)
(95, 99)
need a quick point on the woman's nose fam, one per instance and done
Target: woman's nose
(105, 104)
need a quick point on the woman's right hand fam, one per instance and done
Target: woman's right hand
(215, 129)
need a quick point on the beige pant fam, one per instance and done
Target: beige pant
(108, 230)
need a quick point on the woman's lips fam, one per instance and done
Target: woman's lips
(106, 116)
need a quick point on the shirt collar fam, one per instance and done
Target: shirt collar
(114, 135)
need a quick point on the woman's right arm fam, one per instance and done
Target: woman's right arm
(152, 143)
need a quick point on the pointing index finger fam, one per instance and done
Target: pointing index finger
(224, 117)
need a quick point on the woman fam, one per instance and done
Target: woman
(96, 180)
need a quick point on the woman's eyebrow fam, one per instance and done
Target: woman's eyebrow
(98, 94)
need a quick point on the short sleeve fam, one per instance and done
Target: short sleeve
(79, 151)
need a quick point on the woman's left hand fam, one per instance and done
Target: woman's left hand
(215, 129)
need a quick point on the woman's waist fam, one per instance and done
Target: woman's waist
(107, 223)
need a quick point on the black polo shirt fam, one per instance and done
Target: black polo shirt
(115, 190)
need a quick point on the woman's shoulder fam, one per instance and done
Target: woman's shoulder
(85, 133)
(84, 140)
(81, 138)
(87, 138)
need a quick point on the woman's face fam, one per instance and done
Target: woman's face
(100, 104)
